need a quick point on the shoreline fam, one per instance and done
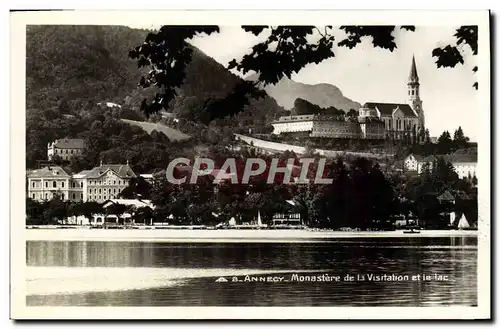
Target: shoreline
(225, 236)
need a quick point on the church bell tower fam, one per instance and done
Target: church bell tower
(414, 94)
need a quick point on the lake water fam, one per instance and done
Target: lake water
(185, 274)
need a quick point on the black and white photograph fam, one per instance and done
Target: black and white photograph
(218, 165)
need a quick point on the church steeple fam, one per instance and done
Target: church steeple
(413, 72)
(414, 93)
(413, 84)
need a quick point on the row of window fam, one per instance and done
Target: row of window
(413, 92)
(95, 191)
(74, 196)
(59, 151)
(101, 197)
(107, 182)
(54, 184)
(400, 124)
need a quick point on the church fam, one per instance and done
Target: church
(375, 121)
(400, 119)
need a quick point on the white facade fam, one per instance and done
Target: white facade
(293, 124)
(411, 163)
(99, 184)
(44, 184)
(465, 169)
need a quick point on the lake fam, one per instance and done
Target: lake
(405, 271)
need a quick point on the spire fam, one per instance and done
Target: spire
(413, 71)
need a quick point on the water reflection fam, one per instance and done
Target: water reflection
(455, 257)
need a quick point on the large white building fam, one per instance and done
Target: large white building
(465, 165)
(65, 148)
(98, 184)
(329, 127)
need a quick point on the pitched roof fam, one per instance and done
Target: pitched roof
(294, 118)
(446, 196)
(430, 158)
(129, 202)
(386, 109)
(69, 143)
(49, 171)
(122, 171)
(461, 158)
(416, 156)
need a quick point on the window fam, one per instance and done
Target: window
(46, 196)
(73, 184)
(413, 92)
(62, 196)
(71, 152)
(109, 191)
(114, 182)
(81, 184)
(66, 151)
(33, 184)
(33, 196)
(46, 184)
(74, 196)
(99, 191)
(54, 184)
(62, 184)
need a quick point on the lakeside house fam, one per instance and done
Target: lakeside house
(98, 184)
(129, 206)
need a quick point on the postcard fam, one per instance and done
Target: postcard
(250, 165)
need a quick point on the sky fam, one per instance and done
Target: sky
(368, 74)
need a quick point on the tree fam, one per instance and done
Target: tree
(35, 211)
(144, 215)
(352, 113)
(450, 56)
(283, 51)
(445, 143)
(138, 186)
(57, 210)
(459, 139)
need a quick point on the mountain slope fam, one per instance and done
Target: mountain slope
(73, 67)
(325, 95)
(70, 65)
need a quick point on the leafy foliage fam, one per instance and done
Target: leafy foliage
(168, 54)
(451, 55)
(303, 107)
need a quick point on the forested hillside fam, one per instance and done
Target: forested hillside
(69, 69)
